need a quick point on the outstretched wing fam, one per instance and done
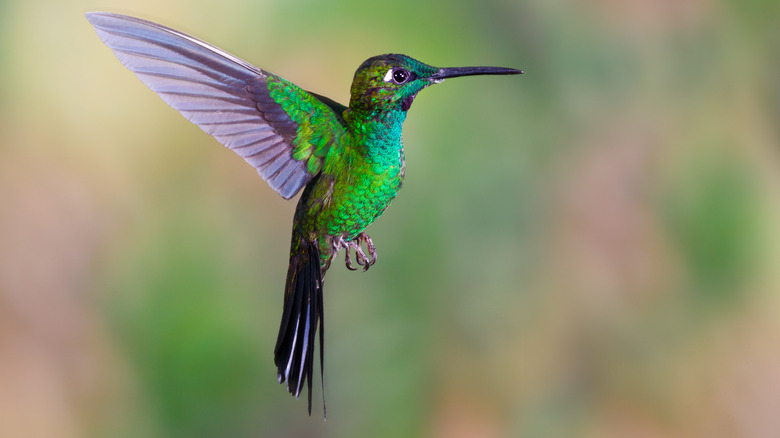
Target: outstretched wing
(280, 129)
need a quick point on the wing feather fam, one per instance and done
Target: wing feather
(226, 97)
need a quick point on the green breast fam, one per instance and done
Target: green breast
(361, 190)
(360, 175)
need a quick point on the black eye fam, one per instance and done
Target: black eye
(400, 75)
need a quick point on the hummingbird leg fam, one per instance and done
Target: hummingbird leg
(338, 244)
(348, 260)
(371, 248)
(363, 260)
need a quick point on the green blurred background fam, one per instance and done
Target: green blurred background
(589, 250)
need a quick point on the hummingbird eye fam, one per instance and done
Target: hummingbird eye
(401, 75)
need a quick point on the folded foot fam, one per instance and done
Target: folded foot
(362, 259)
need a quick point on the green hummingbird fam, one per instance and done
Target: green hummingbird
(349, 161)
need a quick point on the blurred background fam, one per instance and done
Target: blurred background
(588, 250)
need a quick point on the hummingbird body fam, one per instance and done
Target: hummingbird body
(360, 178)
(348, 160)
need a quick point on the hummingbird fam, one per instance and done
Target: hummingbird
(349, 160)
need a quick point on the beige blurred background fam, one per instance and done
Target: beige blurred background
(589, 250)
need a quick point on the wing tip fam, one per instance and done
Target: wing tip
(95, 17)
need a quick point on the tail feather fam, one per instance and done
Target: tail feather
(303, 312)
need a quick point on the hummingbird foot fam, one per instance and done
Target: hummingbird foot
(362, 259)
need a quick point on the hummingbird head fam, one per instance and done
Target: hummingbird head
(391, 82)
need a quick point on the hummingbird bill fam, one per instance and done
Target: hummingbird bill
(348, 161)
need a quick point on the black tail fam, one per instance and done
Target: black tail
(294, 352)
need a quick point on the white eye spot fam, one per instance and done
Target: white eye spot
(388, 76)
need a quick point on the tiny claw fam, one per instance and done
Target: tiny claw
(348, 260)
(371, 249)
(361, 257)
(363, 237)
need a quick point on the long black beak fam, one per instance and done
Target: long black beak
(454, 72)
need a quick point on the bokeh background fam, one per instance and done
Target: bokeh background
(589, 250)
